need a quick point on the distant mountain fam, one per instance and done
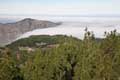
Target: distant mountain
(10, 31)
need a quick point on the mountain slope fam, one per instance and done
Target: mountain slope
(10, 31)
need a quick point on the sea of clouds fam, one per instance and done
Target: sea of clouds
(75, 26)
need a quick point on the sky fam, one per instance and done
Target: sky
(59, 7)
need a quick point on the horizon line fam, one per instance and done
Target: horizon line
(64, 15)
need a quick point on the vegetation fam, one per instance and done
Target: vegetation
(38, 41)
(71, 59)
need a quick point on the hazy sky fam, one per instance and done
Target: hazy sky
(59, 7)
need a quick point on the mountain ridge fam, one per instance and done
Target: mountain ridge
(10, 31)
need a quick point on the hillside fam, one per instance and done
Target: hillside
(10, 31)
(62, 58)
(39, 41)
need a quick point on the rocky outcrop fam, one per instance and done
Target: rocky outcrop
(10, 31)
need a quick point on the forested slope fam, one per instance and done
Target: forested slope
(72, 59)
